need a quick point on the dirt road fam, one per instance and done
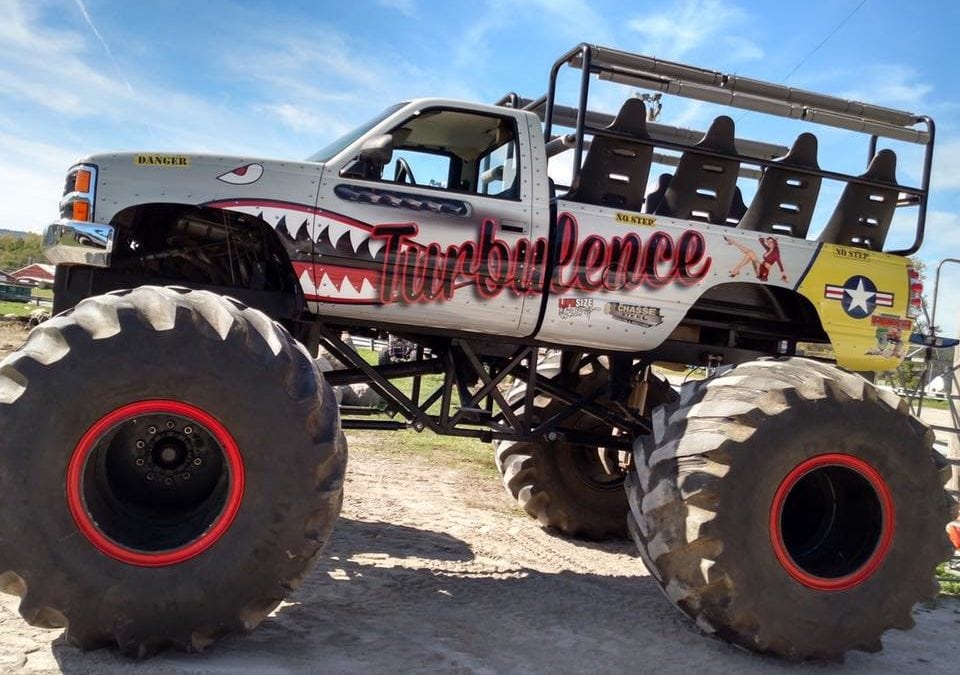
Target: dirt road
(431, 570)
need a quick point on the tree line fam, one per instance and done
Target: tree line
(18, 250)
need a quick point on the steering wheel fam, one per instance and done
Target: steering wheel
(402, 173)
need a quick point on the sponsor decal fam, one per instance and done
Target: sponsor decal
(889, 343)
(891, 321)
(638, 315)
(858, 296)
(761, 261)
(572, 308)
(635, 219)
(170, 161)
(242, 175)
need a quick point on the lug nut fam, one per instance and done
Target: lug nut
(139, 461)
(186, 475)
(197, 461)
(188, 430)
(170, 424)
(140, 445)
(151, 430)
(150, 476)
(168, 481)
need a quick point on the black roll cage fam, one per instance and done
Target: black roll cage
(738, 92)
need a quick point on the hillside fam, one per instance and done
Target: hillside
(18, 249)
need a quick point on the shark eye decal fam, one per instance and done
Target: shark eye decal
(242, 175)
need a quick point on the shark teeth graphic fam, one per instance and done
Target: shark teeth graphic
(306, 282)
(347, 290)
(338, 284)
(327, 288)
(373, 246)
(347, 259)
(367, 290)
(336, 229)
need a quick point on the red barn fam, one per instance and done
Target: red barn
(37, 273)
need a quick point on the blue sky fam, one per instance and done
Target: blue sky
(280, 79)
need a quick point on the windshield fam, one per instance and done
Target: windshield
(336, 146)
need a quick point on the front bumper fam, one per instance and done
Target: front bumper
(72, 242)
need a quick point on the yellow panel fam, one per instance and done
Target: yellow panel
(862, 298)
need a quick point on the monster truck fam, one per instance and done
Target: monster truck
(173, 458)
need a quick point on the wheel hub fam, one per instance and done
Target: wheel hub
(831, 522)
(155, 482)
(163, 457)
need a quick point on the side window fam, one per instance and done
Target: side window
(499, 176)
(448, 149)
(415, 167)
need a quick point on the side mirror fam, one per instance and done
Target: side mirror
(377, 150)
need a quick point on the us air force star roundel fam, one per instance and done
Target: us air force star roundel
(858, 296)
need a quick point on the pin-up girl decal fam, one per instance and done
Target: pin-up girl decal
(761, 265)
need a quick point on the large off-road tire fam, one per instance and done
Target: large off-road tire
(564, 486)
(791, 508)
(172, 463)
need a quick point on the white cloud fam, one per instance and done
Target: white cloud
(688, 25)
(742, 49)
(302, 119)
(572, 20)
(46, 66)
(472, 43)
(54, 73)
(945, 174)
(893, 85)
(942, 240)
(32, 175)
(106, 47)
(942, 235)
(322, 89)
(403, 6)
(576, 20)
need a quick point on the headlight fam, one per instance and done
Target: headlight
(78, 193)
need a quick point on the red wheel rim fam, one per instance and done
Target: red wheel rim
(102, 429)
(883, 541)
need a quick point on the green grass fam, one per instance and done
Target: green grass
(18, 308)
(935, 403)
(24, 308)
(455, 451)
(449, 451)
(949, 581)
(428, 383)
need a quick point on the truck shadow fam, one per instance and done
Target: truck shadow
(392, 598)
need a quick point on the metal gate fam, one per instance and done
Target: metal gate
(945, 423)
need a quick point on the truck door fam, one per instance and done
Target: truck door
(427, 233)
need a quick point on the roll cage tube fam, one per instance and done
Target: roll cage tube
(744, 93)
